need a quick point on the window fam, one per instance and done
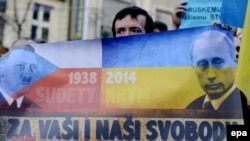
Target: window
(45, 33)
(2, 19)
(40, 22)
(33, 32)
(35, 11)
(46, 14)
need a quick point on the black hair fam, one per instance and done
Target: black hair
(134, 11)
(160, 25)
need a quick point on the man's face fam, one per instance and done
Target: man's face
(129, 26)
(213, 65)
(20, 69)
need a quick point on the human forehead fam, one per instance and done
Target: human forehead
(128, 21)
(211, 42)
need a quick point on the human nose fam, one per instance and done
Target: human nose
(211, 74)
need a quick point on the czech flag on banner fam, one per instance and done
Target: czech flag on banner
(243, 70)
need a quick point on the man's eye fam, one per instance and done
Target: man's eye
(33, 66)
(119, 31)
(136, 31)
(217, 62)
(203, 64)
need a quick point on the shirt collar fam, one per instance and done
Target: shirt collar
(217, 102)
(10, 100)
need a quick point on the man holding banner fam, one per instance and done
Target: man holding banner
(131, 21)
(213, 60)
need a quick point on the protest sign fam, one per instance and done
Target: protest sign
(142, 87)
(201, 12)
(233, 12)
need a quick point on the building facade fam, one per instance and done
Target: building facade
(36, 19)
(63, 20)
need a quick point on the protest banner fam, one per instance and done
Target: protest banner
(142, 87)
(201, 13)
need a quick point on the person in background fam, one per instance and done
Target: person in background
(21, 42)
(131, 21)
(237, 40)
(237, 43)
(160, 26)
(26, 41)
(40, 41)
(176, 14)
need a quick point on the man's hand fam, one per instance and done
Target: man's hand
(225, 26)
(176, 14)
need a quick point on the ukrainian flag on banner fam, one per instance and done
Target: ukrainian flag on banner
(243, 70)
